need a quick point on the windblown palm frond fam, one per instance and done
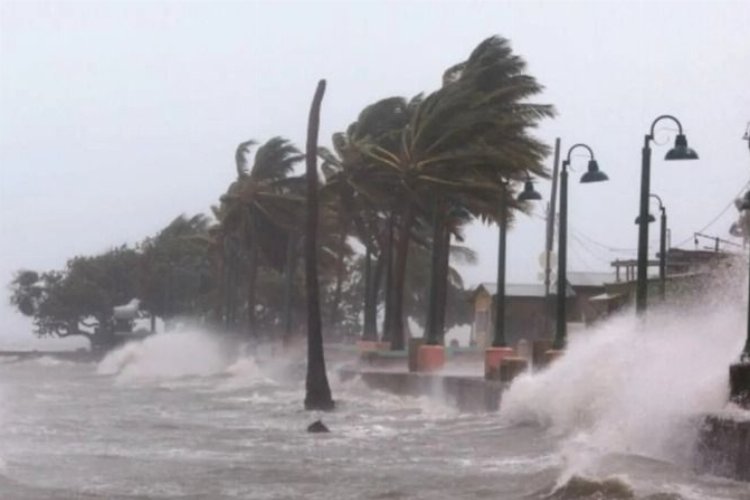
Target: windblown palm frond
(275, 160)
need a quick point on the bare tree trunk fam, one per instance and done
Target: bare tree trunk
(318, 392)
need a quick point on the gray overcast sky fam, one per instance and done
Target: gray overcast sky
(117, 116)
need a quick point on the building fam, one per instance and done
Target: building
(528, 312)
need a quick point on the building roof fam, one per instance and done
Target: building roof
(521, 289)
(593, 279)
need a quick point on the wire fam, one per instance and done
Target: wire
(590, 251)
(690, 238)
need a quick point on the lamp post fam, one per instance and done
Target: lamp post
(528, 194)
(680, 151)
(499, 348)
(662, 246)
(739, 373)
(593, 174)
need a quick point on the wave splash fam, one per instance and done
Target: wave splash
(167, 355)
(632, 388)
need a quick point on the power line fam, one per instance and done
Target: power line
(690, 238)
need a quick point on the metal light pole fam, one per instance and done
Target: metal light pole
(528, 194)
(662, 246)
(592, 175)
(680, 151)
(662, 251)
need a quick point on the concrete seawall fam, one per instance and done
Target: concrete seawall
(724, 446)
(470, 394)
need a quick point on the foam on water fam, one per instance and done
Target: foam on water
(631, 387)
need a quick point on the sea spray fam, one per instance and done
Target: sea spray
(167, 355)
(632, 387)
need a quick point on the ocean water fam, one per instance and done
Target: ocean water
(182, 415)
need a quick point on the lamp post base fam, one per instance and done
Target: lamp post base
(512, 367)
(538, 350)
(552, 355)
(739, 384)
(430, 358)
(493, 357)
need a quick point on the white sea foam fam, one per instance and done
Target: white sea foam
(634, 388)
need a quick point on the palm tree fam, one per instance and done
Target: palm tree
(257, 213)
(318, 392)
(459, 147)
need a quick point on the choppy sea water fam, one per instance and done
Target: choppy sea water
(178, 417)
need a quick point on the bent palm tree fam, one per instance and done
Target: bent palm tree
(461, 145)
(258, 211)
(318, 392)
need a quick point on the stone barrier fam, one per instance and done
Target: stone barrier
(723, 447)
(470, 394)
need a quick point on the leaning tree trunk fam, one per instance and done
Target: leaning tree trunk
(318, 392)
(398, 340)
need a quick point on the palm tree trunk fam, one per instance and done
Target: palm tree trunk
(252, 278)
(219, 301)
(432, 329)
(291, 267)
(318, 392)
(398, 342)
(443, 290)
(370, 321)
(388, 287)
(229, 287)
(336, 302)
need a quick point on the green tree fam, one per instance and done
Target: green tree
(79, 300)
(175, 277)
(255, 217)
(461, 146)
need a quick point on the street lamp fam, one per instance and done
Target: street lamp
(680, 151)
(739, 373)
(593, 174)
(499, 349)
(528, 194)
(662, 245)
